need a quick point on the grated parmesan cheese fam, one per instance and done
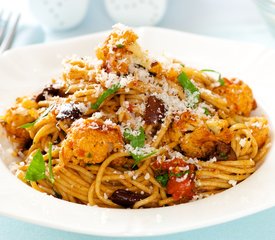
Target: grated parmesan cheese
(242, 142)
(233, 182)
(147, 176)
(213, 159)
(105, 195)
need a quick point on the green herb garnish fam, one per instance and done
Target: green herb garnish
(139, 157)
(37, 168)
(104, 95)
(119, 45)
(206, 111)
(135, 140)
(50, 166)
(192, 92)
(220, 79)
(44, 114)
(163, 179)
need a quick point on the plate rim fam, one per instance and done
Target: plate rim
(132, 233)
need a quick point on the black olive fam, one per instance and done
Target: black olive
(68, 111)
(51, 90)
(126, 198)
(154, 111)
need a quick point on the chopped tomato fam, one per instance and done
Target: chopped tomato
(130, 108)
(181, 178)
(181, 189)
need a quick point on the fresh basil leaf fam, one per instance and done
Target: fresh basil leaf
(220, 79)
(104, 95)
(50, 167)
(192, 92)
(44, 114)
(206, 111)
(37, 168)
(163, 179)
(135, 140)
(120, 45)
(139, 157)
(28, 125)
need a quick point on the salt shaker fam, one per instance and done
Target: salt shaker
(136, 12)
(59, 15)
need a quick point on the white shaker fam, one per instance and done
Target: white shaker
(136, 12)
(59, 15)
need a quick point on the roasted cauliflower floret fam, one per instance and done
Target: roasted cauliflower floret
(23, 112)
(90, 141)
(238, 95)
(171, 73)
(220, 128)
(187, 122)
(260, 130)
(198, 144)
(115, 50)
(199, 137)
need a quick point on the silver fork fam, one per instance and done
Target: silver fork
(8, 25)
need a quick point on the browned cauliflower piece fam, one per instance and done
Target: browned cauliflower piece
(239, 96)
(90, 141)
(197, 137)
(23, 112)
(198, 144)
(115, 49)
(187, 122)
(260, 130)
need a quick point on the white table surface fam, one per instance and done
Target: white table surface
(231, 19)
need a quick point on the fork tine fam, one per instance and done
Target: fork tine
(4, 23)
(10, 32)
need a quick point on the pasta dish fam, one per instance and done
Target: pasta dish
(125, 129)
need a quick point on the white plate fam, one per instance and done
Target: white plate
(25, 70)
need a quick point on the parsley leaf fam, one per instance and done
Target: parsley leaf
(37, 168)
(44, 114)
(114, 88)
(192, 92)
(163, 179)
(139, 157)
(51, 177)
(220, 79)
(120, 45)
(206, 111)
(135, 140)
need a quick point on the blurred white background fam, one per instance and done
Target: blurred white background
(234, 19)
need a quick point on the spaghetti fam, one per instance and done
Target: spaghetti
(127, 130)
